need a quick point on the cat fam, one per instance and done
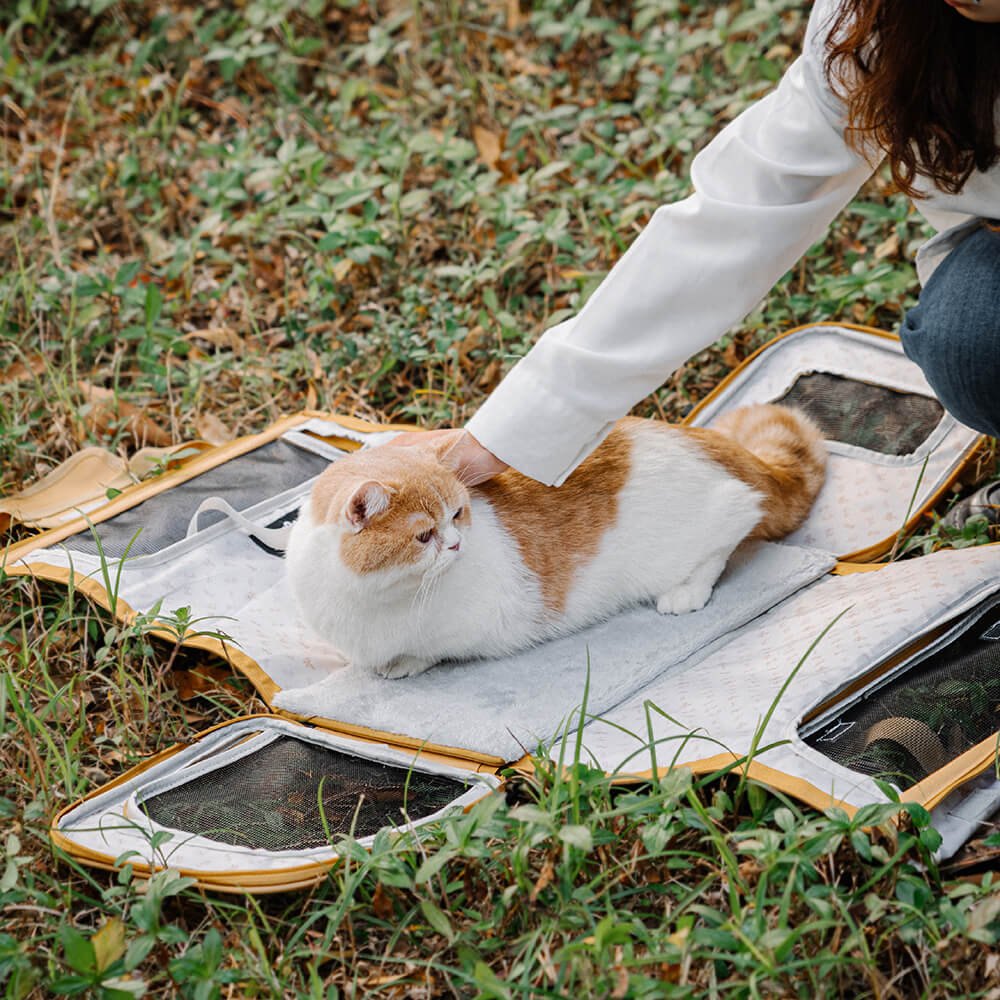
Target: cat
(399, 565)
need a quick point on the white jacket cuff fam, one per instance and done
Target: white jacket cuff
(536, 431)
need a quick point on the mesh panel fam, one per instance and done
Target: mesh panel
(269, 800)
(243, 482)
(915, 724)
(868, 416)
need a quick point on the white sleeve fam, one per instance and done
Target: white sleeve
(765, 189)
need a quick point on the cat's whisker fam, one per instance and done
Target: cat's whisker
(424, 594)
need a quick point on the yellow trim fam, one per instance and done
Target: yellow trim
(469, 760)
(876, 549)
(256, 882)
(937, 786)
(928, 793)
(846, 568)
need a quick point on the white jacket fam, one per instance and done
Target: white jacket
(765, 189)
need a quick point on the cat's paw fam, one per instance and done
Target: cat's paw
(403, 666)
(682, 599)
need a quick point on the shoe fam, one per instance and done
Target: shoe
(985, 502)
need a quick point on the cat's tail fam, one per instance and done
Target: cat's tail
(787, 462)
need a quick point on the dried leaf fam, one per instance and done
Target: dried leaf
(220, 336)
(984, 912)
(888, 247)
(490, 146)
(513, 15)
(109, 943)
(107, 413)
(621, 981)
(475, 339)
(382, 903)
(491, 376)
(31, 366)
(200, 680)
(211, 429)
(518, 64)
(731, 354)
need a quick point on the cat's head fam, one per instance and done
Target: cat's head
(397, 511)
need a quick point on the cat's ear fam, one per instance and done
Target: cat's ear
(367, 501)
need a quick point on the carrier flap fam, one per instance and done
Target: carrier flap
(892, 675)
(893, 450)
(260, 804)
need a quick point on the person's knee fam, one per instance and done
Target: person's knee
(953, 333)
(965, 376)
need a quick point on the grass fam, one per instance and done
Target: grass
(217, 214)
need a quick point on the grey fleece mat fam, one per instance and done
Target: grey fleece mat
(509, 705)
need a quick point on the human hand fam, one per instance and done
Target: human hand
(458, 449)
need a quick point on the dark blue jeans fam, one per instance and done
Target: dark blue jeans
(953, 332)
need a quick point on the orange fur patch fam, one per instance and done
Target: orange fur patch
(558, 536)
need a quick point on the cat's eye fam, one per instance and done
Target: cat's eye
(458, 513)
(425, 536)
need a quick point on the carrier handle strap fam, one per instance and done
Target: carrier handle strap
(275, 538)
(914, 736)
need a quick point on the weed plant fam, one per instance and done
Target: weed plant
(215, 214)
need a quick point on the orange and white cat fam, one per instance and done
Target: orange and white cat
(398, 565)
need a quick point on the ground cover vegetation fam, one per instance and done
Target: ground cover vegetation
(217, 213)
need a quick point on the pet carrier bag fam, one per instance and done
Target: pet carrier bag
(658, 690)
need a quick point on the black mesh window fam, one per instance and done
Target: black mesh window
(242, 482)
(915, 724)
(270, 799)
(868, 416)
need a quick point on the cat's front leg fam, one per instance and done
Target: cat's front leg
(694, 592)
(404, 666)
(682, 599)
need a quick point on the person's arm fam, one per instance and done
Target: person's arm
(765, 189)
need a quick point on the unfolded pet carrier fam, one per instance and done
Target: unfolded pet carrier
(903, 684)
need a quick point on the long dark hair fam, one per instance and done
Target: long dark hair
(922, 82)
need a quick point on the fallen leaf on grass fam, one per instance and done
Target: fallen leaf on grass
(382, 903)
(490, 146)
(108, 413)
(220, 336)
(519, 64)
(888, 247)
(621, 981)
(109, 943)
(191, 683)
(212, 429)
(20, 370)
